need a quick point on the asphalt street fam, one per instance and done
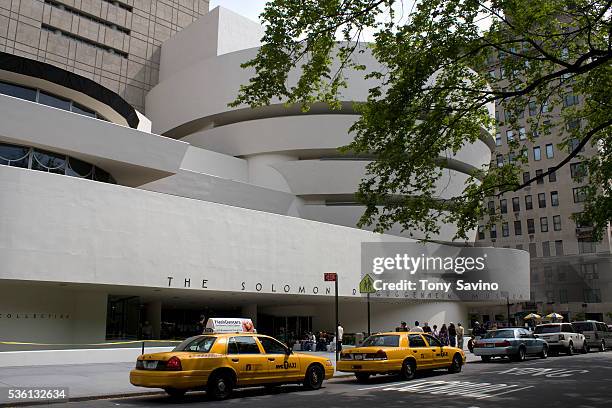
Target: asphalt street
(563, 381)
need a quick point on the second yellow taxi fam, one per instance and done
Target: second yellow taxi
(219, 362)
(401, 353)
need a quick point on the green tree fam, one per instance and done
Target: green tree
(549, 50)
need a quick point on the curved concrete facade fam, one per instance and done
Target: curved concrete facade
(284, 150)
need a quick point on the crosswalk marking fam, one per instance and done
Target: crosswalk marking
(454, 388)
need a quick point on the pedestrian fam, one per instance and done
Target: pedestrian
(443, 335)
(452, 334)
(460, 333)
(403, 327)
(426, 328)
(417, 327)
(435, 331)
(340, 334)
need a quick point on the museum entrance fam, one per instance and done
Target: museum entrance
(284, 328)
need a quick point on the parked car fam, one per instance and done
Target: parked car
(561, 337)
(596, 334)
(515, 343)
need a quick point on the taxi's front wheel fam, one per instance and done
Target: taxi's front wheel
(314, 377)
(220, 386)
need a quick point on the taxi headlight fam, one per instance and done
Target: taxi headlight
(329, 363)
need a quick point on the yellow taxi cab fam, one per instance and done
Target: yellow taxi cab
(401, 353)
(220, 362)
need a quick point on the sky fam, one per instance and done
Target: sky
(248, 8)
(253, 8)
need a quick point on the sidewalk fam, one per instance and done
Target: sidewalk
(93, 380)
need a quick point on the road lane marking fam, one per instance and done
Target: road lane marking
(453, 388)
(507, 392)
(386, 385)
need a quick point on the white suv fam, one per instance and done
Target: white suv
(561, 336)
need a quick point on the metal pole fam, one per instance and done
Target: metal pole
(508, 307)
(337, 322)
(369, 332)
(143, 347)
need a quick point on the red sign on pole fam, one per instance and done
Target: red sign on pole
(330, 276)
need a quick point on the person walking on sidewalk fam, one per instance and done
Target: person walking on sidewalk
(460, 333)
(435, 332)
(452, 334)
(339, 340)
(426, 328)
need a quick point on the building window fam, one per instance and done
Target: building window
(503, 206)
(592, 295)
(579, 194)
(492, 74)
(500, 160)
(505, 229)
(491, 207)
(528, 202)
(493, 232)
(481, 234)
(45, 98)
(561, 276)
(573, 144)
(570, 100)
(552, 175)
(542, 200)
(586, 246)
(526, 177)
(543, 224)
(546, 253)
(18, 91)
(550, 296)
(559, 247)
(516, 205)
(517, 228)
(510, 135)
(530, 226)
(498, 140)
(522, 134)
(42, 160)
(538, 174)
(557, 222)
(578, 170)
(589, 271)
(537, 154)
(563, 296)
(549, 151)
(533, 108)
(532, 250)
(554, 198)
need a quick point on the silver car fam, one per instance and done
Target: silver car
(515, 343)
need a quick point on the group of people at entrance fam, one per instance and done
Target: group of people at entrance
(450, 335)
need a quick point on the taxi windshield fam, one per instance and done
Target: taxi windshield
(200, 344)
(386, 341)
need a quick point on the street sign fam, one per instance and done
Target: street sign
(367, 284)
(330, 276)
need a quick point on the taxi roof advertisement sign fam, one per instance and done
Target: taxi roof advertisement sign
(229, 325)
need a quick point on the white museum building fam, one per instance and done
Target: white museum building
(110, 218)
